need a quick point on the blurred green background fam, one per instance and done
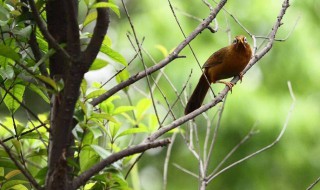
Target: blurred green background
(262, 99)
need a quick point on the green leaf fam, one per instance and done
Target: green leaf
(12, 174)
(96, 131)
(17, 145)
(142, 106)
(113, 129)
(107, 41)
(43, 59)
(96, 93)
(103, 116)
(112, 6)
(122, 76)
(49, 81)
(163, 50)
(132, 131)
(122, 109)
(89, 18)
(24, 32)
(98, 64)
(7, 72)
(8, 52)
(103, 153)
(10, 184)
(113, 54)
(84, 86)
(37, 90)
(17, 91)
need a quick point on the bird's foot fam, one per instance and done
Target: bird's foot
(240, 76)
(229, 84)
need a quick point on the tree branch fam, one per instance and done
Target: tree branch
(175, 54)
(99, 32)
(20, 167)
(85, 176)
(224, 92)
(45, 32)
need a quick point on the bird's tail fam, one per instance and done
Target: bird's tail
(198, 95)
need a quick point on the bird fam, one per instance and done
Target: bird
(227, 62)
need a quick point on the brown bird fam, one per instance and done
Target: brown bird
(225, 63)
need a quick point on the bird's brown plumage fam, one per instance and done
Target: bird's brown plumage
(224, 63)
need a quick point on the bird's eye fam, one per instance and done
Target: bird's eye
(235, 41)
(245, 40)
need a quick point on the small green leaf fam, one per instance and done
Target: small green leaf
(13, 103)
(84, 86)
(48, 80)
(12, 184)
(96, 131)
(122, 109)
(12, 174)
(7, 72)
(103, 153)
(113, 129)
(90, 17)
(103, 116)
(98, 64)
(112, 6)
(43, 59)
(24, 32)
(17, 145)
(107, 41)
(122, 76)
(37, 90)
(142, 106)
(163, 50)
(132, 131)
(113, 54)
(96, 93)
(7, 52)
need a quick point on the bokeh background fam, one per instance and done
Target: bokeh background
(261, 100)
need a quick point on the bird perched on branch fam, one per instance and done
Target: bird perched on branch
(225, 63)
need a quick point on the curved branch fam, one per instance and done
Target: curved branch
(85, 176)
(99, 32)
(175, 54)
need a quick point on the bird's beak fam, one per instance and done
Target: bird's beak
(242, 42)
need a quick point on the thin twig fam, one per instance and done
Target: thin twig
(142, 60)
(266, 147)
(245, 139)
(313, 184)
(185, 170)
(166, 161)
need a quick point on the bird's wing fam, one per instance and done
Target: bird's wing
(216, 58)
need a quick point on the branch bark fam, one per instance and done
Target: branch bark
(85, 176)
(175, 54)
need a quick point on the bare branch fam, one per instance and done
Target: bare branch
(203, 25)
(85, 176)
(185, 170)
(223, 93)
(266, 147)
